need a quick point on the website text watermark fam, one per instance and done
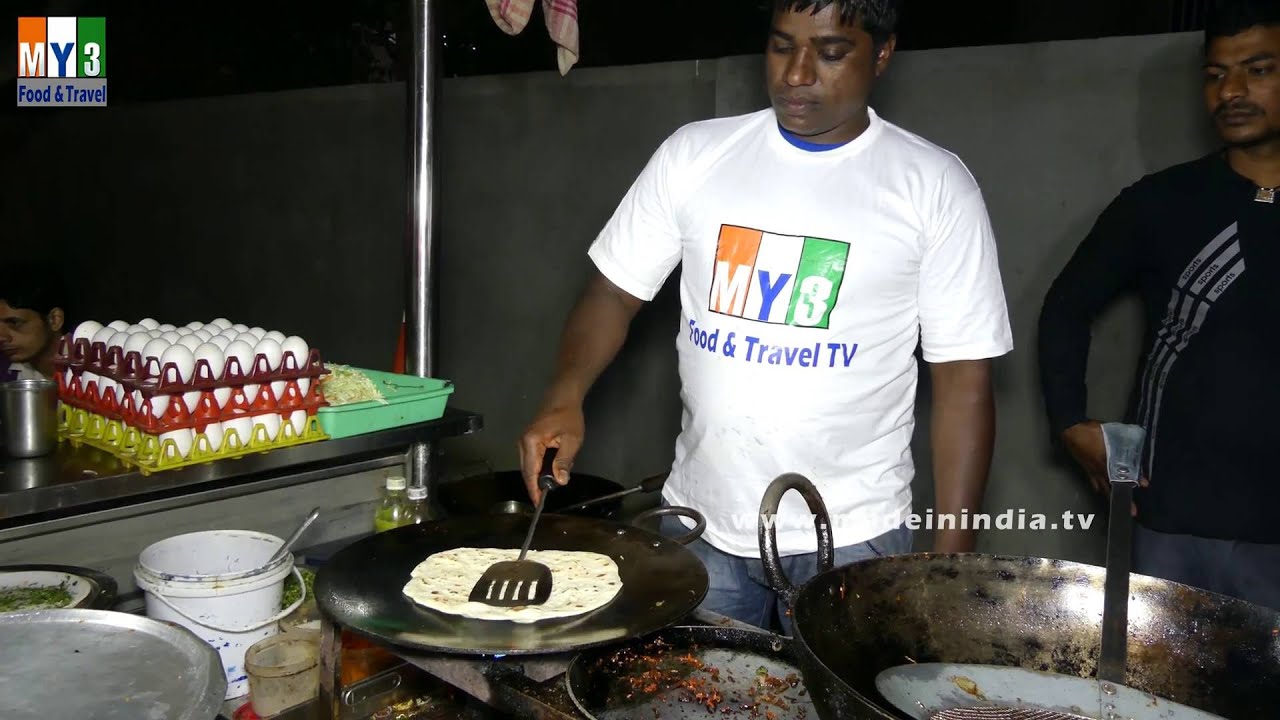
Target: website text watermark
(929, 520)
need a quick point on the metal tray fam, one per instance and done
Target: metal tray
(105, 665)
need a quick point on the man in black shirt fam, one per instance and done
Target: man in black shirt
(1201, 244)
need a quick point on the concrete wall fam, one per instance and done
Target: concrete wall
(287, 210)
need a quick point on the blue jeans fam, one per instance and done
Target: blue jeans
(739, 589)
(1247, 571)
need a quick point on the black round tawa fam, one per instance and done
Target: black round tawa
(482, 494)
(662, 675)
(103, 588)
(362, 586)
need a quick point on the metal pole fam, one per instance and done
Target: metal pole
(420, 330)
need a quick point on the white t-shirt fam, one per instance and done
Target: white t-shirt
(808, 281)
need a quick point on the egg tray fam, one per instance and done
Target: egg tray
(133, 373)
(147, 453)
(177, 416)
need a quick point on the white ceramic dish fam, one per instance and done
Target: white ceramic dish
(80, 588)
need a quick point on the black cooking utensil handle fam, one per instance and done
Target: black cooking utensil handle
(547, 483)
(698, 519)
(548, 473)
(647, 485)
(768, 532)
(654, 483)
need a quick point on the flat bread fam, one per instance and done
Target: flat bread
(580, 583)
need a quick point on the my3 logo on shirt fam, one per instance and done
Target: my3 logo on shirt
(777, 279)
(788, 280)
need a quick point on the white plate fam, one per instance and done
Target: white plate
(78, 587)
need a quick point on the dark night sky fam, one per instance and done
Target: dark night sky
(161, 49)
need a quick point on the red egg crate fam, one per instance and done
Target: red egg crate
(148, 383)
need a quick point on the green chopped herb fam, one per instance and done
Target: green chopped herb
(291, 590)
(34, 598)
(762, 670)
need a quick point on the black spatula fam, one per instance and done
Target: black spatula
(515, 583)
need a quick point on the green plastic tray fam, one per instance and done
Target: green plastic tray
(410, 400)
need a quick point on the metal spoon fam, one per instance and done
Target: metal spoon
(294, 537)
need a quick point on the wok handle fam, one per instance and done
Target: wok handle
(769, 534)
(694, 534)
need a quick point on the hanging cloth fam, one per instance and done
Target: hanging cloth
(562, 24)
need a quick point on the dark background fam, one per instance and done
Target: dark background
(171, 50)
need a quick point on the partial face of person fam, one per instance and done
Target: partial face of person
(820, 73)
(1242, 86)
(24, 334)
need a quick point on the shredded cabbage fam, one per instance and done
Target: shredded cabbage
(345, 385)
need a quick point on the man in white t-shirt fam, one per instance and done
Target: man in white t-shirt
(820, 245)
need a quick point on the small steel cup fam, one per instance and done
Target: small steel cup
(29, 413)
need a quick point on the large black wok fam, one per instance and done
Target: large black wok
(361, 587)
(1188, 646)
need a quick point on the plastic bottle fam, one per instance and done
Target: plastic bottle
(416, 506)
(394, 508)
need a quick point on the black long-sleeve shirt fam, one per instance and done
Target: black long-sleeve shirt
(1205, 256)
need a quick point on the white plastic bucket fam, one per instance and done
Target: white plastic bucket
(217, 585)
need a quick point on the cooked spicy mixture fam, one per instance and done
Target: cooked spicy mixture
(659, 670)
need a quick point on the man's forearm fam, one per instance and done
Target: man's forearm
(593, 335)
(963, 435)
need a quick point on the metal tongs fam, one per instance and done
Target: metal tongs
(519, 582)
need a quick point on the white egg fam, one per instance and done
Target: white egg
(213, 432)
(171, 336)
(136, 343)
(154, 333)
(251, 392)
(190, 342)
(221, 396)
(304, 384)
(275, 335)
(255, 333)
(183, 331)
(271, 350)
(103, 335)
(220, 323)
(118, 340)
(182, 361)
(277, 389)
(239, 328)
(239, 359)
(211, 355)
(181, 447)
(89, 380)
(116, 344)
(134, 329)
(297, 422)
(149, 323)
(159, 403)
(298, 348)
(86, 330)
(270, 422)
(166, 328)
(191, 401)
(236, 432)
(194, 325)
(204, 335)
(155, 348)
(222, 341)
(118, 325)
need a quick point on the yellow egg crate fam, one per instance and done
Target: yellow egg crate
(146, 452)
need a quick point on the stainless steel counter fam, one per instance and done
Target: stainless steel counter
(78, 480)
